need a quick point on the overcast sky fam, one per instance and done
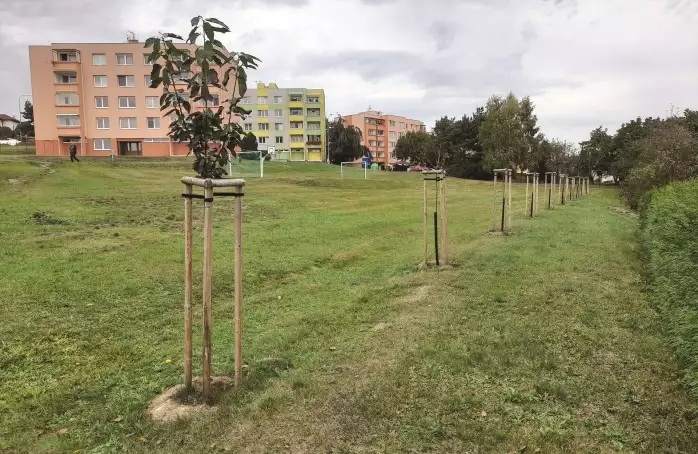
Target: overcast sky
(584, 62)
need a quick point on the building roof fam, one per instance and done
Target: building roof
(4, 117)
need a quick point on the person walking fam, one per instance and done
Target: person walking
(73, 153)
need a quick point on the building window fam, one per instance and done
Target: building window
(66, 78)
(261, 99)
(248, 126)
(402, 133)
(181, 76)
(402, 125)
(393, 144)
(101, 81)
(278, 99)
(148, 80)
(126, 81)
(392, 123)
(313, 112)
(263, 113)
(156, 140)
(278, 126)
(263, 126)
(381, 143)
(146, 60)
(278, 113)
(296, 139)
(68, 120)
(371, 143)
(127, 123)
(392, 134)
(102, 144)
(381, 154)
(296, 125)
(371, 132)
(66, 99)
(296, 97)
(67, 56)
(102, 123)
(153, 122)
(313, 99)
(124, 59)
(313, 138)
(101, 102)
(314, 125)
(127, 102)
(152, 102)
(245, 100)
(215, 101)
(279, 140)
(99, 59)
(296, 112)
(262, 140)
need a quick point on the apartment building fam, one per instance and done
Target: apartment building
(98, 97)
(380, 132)
(292, 120)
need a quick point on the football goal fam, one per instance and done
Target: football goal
(247, 164)
(353, 170)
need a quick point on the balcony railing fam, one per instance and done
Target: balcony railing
(314, 142)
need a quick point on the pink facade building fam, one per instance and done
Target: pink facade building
(380, 132)
(98, 97)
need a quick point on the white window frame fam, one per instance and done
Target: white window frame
(154, 120)
(278, 113)
(61, 94)
(69, 79)
(118, 81)
(278, 126)
(147, 80)
(100, 77)
(310, 98)
(135, 121)
(126, 63)
(262, 140)
(279, 142)
(157, 102)
(103, 59)
(104, 105)
(102, 143)
(296, 127)
(107, 122)
(248, 126)
(146, 60)
(297, 141)
(128, 99)
(262, 99)
(156, 140)
(263, 126)
(263, 113)
(278, 99)
(71, 125)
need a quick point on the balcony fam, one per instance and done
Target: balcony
(66, 59)
(314, 142)
(313, 113)
(295, 104)
(294, 117)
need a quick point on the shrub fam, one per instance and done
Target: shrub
(6, 133)
(669, 223)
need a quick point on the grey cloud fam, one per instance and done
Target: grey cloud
(443, 33)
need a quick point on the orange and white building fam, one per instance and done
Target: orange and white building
(98, 97)
(380, 132)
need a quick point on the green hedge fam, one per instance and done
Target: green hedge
(669, 232)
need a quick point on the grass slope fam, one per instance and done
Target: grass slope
(541, 341)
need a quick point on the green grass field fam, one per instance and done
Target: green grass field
(541, 341)
(20, 149)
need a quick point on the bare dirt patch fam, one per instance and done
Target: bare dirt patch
(172, 404)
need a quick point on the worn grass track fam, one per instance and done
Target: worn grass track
(542, 340)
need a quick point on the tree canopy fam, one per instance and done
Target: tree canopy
(344, 142)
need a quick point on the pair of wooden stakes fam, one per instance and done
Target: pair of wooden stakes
(439, 179)
(208, 197)
(567, 187)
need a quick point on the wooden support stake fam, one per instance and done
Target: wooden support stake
(509, 172)
(494, 203)
(426, 226)
(444, 235)
(526, 198)
(208, 274)
(545, 187)
(187, 288)
(238, 285)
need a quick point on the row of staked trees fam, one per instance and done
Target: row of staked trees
(502, 134)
